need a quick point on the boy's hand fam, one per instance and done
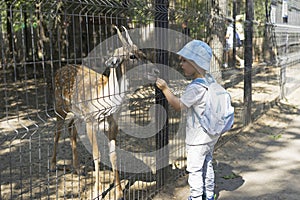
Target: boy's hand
(161, 84)
(172, 99)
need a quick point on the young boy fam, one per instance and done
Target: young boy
(195, 61)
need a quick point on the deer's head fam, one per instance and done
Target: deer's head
(128, 52)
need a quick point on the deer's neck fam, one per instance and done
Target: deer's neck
(116, 80)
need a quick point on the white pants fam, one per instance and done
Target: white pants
(201, 173)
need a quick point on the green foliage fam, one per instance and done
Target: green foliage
(140, 14)
(276, 137)
(197, 13)
(259, 10)
(230, 176)
(15, 11)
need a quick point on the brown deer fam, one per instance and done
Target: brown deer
(94, 97)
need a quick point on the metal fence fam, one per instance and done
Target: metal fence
(38, 41)
(287, 48)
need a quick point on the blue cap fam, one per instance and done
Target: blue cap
(199, 52)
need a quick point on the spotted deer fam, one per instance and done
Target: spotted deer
(94, 97)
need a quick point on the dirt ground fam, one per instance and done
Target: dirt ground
(25, 155)
(258, 163)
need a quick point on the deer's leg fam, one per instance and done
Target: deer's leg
(73, 140)
(97, 191)
(113, 160)
(60, 123)
(113, 130)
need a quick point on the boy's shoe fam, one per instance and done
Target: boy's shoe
(213, 197)
(190, 198)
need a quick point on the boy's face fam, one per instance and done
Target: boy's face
(188, 69)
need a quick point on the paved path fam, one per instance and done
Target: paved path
(260, 163)
(266, 159)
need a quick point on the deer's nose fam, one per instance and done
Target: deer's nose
(113, 62)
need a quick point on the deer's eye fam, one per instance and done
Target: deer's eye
(132, 56)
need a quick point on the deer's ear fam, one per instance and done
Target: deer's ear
(113, 62)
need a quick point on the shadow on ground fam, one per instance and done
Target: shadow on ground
(226, 179)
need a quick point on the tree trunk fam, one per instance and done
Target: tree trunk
(9, 13)
(217, 39)
(248, 62)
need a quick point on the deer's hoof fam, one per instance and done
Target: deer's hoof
(52, 169)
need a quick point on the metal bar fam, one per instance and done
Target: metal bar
(162, 137)
(248, 62)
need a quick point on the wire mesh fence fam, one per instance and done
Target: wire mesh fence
(86, 70)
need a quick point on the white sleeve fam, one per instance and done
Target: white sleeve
(193, 94)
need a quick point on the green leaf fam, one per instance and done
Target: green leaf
(230, 176)
(276, 137)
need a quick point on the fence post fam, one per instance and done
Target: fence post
(234, 32)
(162, 137)
(283, 66)
(248, 62)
